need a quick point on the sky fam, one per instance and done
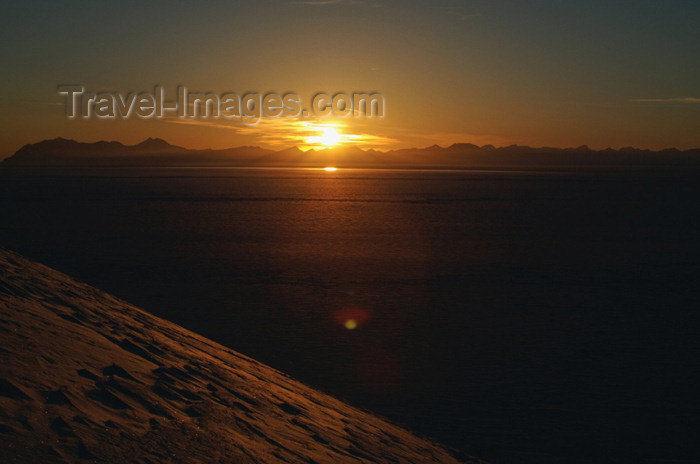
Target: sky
(542, 73)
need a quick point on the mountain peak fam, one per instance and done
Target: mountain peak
(151, 142)
(293, 149)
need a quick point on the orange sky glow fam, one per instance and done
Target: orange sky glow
(561, 74)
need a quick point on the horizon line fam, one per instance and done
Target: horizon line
(351, 145)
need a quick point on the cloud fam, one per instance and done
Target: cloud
(286, 132)
(198, 122)
(667, 100)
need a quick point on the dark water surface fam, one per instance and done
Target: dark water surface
(521, 317)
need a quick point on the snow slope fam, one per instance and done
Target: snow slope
(86, 377)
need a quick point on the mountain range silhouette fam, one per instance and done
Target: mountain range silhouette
(158, 152)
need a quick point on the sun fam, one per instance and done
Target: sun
(329, 137)
(325, 136)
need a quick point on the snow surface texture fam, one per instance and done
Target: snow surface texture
(86, 377)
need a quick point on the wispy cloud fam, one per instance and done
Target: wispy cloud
(285, 132)
(199, 122)
(667, 100)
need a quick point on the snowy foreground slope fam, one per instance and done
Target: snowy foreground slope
(86, 377)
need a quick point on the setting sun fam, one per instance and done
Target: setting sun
(329, 137)
(326, 136)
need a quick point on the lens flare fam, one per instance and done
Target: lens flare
(351, 318)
